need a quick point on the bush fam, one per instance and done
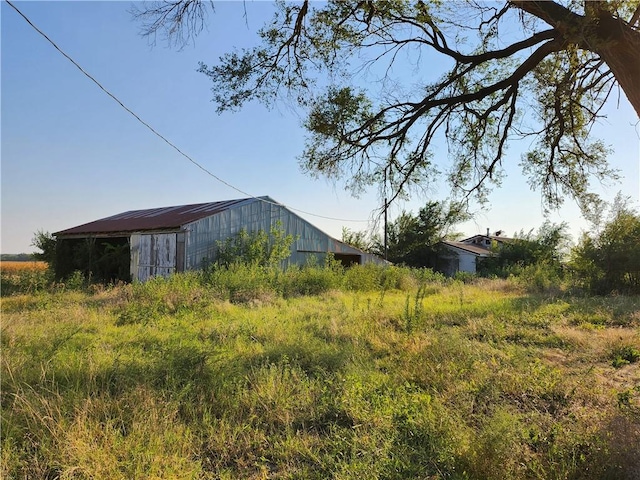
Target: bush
(362, 277)
(464, 277)
(241, 282)
(540, 277)
(427, 275)
(145, 302)
(255, 248)
(45, 242)
(624, 355)
(307, 281)
(609, 260)
(546, 247)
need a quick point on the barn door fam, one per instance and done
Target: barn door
(156, 255)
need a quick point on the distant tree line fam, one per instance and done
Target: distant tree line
(17, 257)
(606, 259)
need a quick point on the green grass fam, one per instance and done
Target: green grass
(384, 374)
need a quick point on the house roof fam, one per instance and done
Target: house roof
(164, 218)
(490, 237)
(468, 247)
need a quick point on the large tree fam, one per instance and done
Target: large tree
(413, 240)
(471, 75)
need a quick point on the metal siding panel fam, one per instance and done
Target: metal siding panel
(180, 244)
(202, 235)
(144, 257)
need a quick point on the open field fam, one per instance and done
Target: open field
(9, 267)
(370, 374)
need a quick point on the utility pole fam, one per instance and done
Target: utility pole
(385, 213)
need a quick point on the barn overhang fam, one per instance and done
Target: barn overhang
(120, 255)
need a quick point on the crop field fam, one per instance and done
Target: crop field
(17, 267)
(23, 277)
(316, 373)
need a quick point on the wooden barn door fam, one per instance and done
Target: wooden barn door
(156, 255)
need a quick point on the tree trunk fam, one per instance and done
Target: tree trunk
(613, 39)
(619, 46)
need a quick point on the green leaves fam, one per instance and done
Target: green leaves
(544, 250)
(609, 260)
(413, 239)
(570, 89)
(255, 248)
(46, 243)
(338, 112)
(385, 83)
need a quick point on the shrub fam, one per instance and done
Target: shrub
(307, 280)
(255, 248)
(240, 282)
(464, 277)
(624, 355)
(609, 260)
(546, 247)
(45, 242)
(539, 277)
(362, 277)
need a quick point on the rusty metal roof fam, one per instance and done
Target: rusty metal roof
(164, 218)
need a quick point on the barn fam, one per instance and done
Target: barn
(140, 244)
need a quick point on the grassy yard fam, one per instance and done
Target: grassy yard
(389, 376)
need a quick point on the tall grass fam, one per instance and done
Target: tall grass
(318, 373)
(23, 277)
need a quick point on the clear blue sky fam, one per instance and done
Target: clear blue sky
(71, 155)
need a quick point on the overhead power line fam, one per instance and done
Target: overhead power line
(159, 135)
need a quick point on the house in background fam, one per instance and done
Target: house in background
(464, 255)
(140, 244)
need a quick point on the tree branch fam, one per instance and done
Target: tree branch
(554, 14)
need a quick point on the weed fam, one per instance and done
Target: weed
(412, 315)
(624, 355)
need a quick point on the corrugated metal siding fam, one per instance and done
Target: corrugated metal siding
(202, 235)
(152, 255)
